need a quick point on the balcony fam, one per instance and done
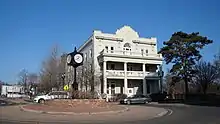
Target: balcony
(115, 73)
(151, 74)
(128, 54)
(120, 73)
(135, 74)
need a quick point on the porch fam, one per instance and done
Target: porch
(134, 86)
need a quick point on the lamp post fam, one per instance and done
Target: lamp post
(74, 59)
(63, 78)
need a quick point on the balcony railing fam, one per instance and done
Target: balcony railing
(115, 73)
(151, 74)
(135, 73)
(128, 53)
(120, 73)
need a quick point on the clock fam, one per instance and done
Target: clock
(78, 58)
(69, 59)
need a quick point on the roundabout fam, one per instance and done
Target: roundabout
(15, 114)
(141, 114)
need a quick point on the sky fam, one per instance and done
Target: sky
(30, 28)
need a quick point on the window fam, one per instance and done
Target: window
(146, 52)
(90, 52)
(147, 68)
(127, 45)
(112, 67)
(113, 88)
(112, 49)
(106, 48)
(127, 48)
(142, 51)
(85, 57)
(129, 68)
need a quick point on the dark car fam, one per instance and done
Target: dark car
(135, 99)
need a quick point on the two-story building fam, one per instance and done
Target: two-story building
(121, 62)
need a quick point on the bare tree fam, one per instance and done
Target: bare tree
(87, 79)
(23, 79)
(174, 84)
(205, 74)
(32, 78)
(52, 70)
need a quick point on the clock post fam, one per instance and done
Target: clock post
(75, 59)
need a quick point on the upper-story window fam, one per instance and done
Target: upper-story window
(146, 52)
(85, 56)
(112, 67)
(106, 48)
(112, 49)
(127, 48)
(142, 52)
(90, 52)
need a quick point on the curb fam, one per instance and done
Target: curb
(169, 104)
(73, 113)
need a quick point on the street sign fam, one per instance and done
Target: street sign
(66, 88)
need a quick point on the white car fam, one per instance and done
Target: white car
(52, 95)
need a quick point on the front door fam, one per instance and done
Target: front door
(111, 88)
(130, 91)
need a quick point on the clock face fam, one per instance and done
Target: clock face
(78, 58)
(69, 58)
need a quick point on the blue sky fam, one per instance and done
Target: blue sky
(30, 28)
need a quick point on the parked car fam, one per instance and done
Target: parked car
(52, 95)
(134, 99)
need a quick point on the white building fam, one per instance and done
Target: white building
(12, 90)
(122, 62)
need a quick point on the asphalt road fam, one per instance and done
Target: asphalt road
(179, 115)
(188, 115)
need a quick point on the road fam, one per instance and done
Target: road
(188, 115)
(179, 115)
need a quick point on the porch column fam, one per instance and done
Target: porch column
(104, 77)
(144, 81)
(125, 78)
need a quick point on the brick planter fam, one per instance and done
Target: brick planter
(76, 106)
(77, 102)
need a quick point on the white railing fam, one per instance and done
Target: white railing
(151, 74)
(128, 53)
(115, 73)
(135, 73)
(120, 73)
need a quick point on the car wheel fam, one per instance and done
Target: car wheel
(128, 102)
(42, 101)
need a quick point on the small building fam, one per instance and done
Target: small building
(12, 90)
